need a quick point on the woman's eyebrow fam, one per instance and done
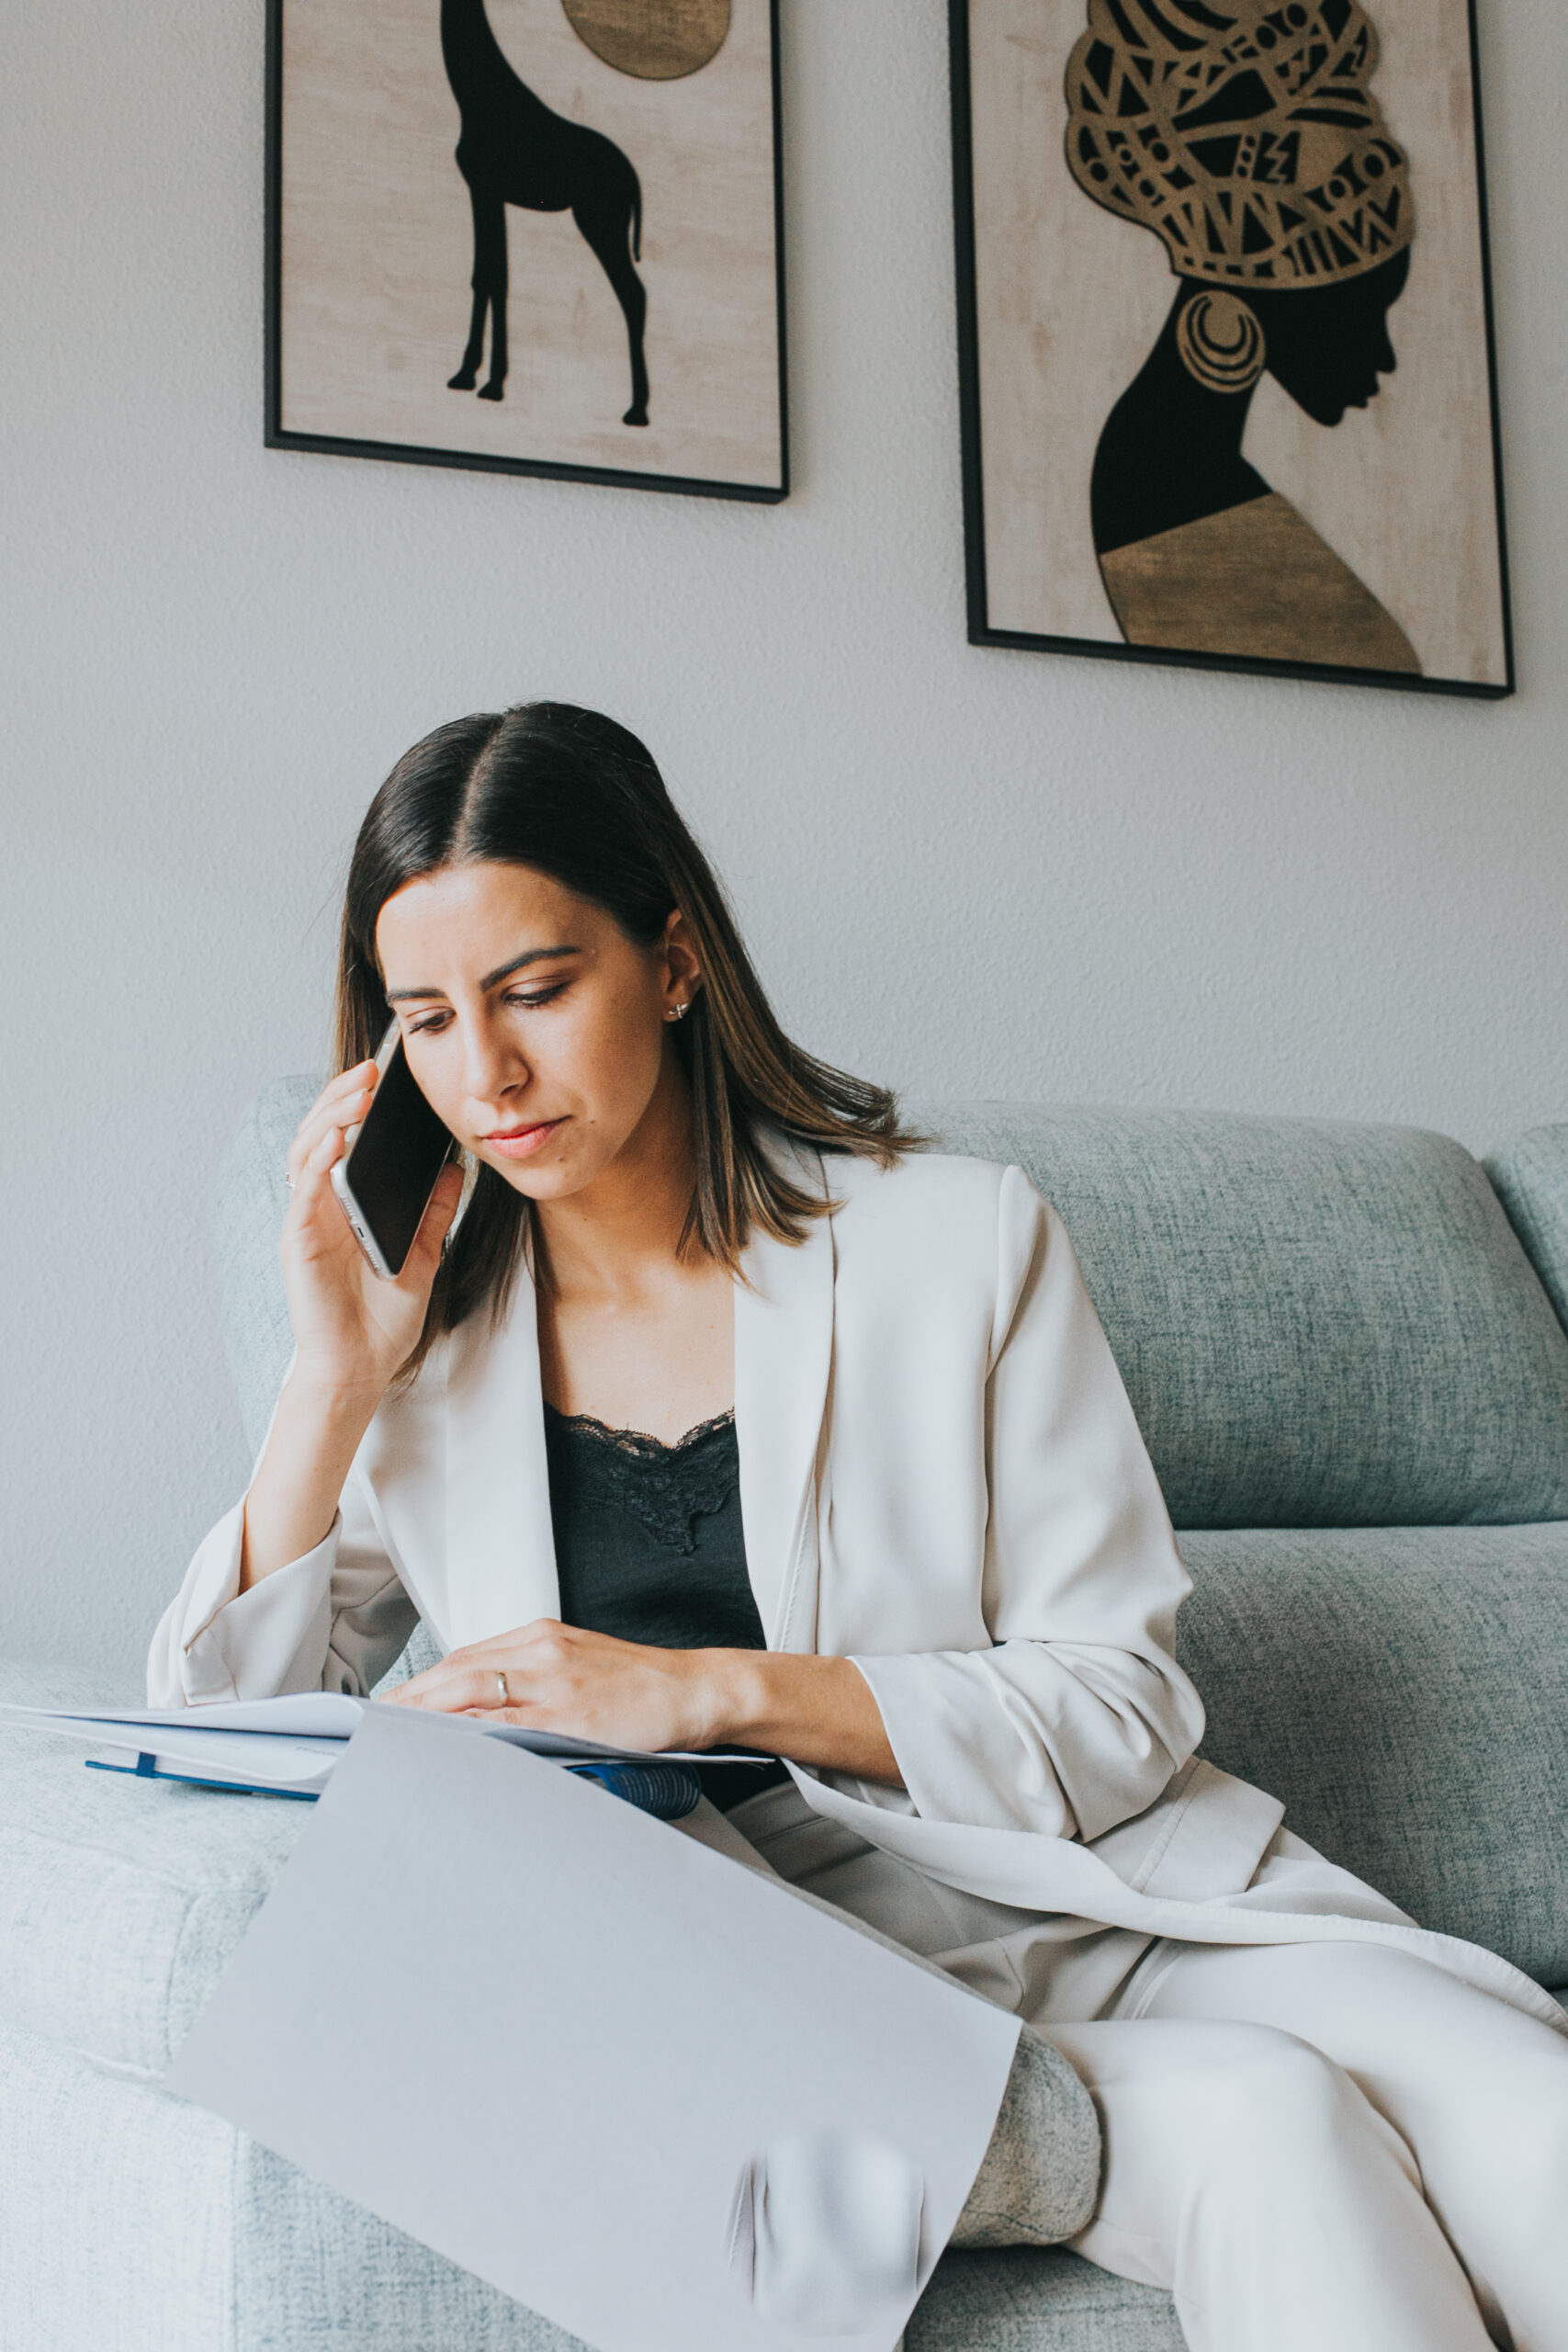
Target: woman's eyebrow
(491, 979)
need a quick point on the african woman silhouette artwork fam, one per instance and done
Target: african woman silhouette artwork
(1246, 136)
(516, 149)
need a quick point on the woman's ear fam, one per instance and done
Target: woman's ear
(682, 967)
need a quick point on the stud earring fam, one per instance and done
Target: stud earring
(678, 1012)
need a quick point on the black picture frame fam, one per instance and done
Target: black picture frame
(274, 436)
(980, 631)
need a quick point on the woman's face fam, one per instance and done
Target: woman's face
(1329, 344)
(535, 1028)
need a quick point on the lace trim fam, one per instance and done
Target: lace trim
(666, 1489)
(637, 1441)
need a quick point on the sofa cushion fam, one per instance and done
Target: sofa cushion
(1319, 1325)
(120, 1900)
(1404, 1692)
(1020, 2300)
(130, 2222)
(1530, 1177)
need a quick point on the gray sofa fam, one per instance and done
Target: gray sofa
(1346, 1348)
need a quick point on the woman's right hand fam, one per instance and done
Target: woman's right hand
(353, 1329)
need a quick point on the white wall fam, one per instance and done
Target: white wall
(962, 870)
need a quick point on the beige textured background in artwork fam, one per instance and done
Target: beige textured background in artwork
(377, 249)
(1071, 300)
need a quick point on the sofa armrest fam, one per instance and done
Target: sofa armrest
(120, 1900)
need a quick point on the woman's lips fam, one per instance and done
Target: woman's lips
(521, 1143)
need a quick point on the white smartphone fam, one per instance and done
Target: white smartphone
(385, 1179)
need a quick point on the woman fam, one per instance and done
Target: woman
(727, 1417)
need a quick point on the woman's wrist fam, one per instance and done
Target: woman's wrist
(732, 1697)
(332, 1395)
(814, 1710)
(293, 1499)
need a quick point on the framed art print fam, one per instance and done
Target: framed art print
(1227, 370)
(533, 236)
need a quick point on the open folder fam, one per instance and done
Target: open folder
(652, 2096)
(286, 1747)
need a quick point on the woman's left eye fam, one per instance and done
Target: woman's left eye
(536, 996)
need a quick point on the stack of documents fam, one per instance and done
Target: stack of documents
(286, 1746)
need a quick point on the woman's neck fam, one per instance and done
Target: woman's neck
(629, 1331)
(1170, 452)
(624, 1230)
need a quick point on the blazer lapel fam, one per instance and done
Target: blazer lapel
(783, 1354)
(500, 1556)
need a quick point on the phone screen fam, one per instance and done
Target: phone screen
(394, 1161)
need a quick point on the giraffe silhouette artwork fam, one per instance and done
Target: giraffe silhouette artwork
(513, 148)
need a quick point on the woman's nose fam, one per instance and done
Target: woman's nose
(492, 1065)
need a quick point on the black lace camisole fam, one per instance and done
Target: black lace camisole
(650, 1548)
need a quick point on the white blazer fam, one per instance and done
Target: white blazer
(942, 1479)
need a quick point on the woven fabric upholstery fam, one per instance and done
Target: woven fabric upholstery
(1319, 1325)
(130, 2222)
(248, 1210)
(1405, 1693)
(1531, 1180)
(1019, 2300)
(120, 1900)
(117, 2212)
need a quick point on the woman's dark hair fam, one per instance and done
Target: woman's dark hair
(574, 796)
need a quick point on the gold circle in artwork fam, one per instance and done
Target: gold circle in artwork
(658, 40)
(1221, 342)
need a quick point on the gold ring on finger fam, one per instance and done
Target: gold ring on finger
(505, 1693)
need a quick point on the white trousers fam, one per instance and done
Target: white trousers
(1330, 2148)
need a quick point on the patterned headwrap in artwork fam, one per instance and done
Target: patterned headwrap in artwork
(1244, 133)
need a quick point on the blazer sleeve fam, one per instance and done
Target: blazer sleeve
(1078, 1717)
(334, 1620)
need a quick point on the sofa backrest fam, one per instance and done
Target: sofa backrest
(1319, 1325)
(248, 1210)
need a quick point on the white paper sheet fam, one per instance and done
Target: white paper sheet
(296, 1739)
(647, 2093)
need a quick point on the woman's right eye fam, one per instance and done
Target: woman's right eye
(530, 998)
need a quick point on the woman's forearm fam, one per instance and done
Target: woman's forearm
(294, 1495)
(814, 1710)
(550, 1676)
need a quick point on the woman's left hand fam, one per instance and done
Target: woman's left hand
(559, 1678)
